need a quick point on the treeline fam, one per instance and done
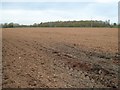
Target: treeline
(12, 25)
(64, 24)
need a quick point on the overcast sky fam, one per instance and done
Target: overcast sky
(36, 11)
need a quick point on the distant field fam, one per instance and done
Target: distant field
(60, 57)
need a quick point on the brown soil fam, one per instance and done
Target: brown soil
(60, 57)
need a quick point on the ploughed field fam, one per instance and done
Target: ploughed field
(60, 57)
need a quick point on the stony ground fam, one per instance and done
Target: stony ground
(60, 57)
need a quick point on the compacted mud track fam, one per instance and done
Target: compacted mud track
(60, 57)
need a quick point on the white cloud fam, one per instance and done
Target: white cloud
(99, 1)
(107, 1)
(87, 12)
(30, 17)
(37, 16)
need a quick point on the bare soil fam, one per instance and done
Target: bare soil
(60, 57)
